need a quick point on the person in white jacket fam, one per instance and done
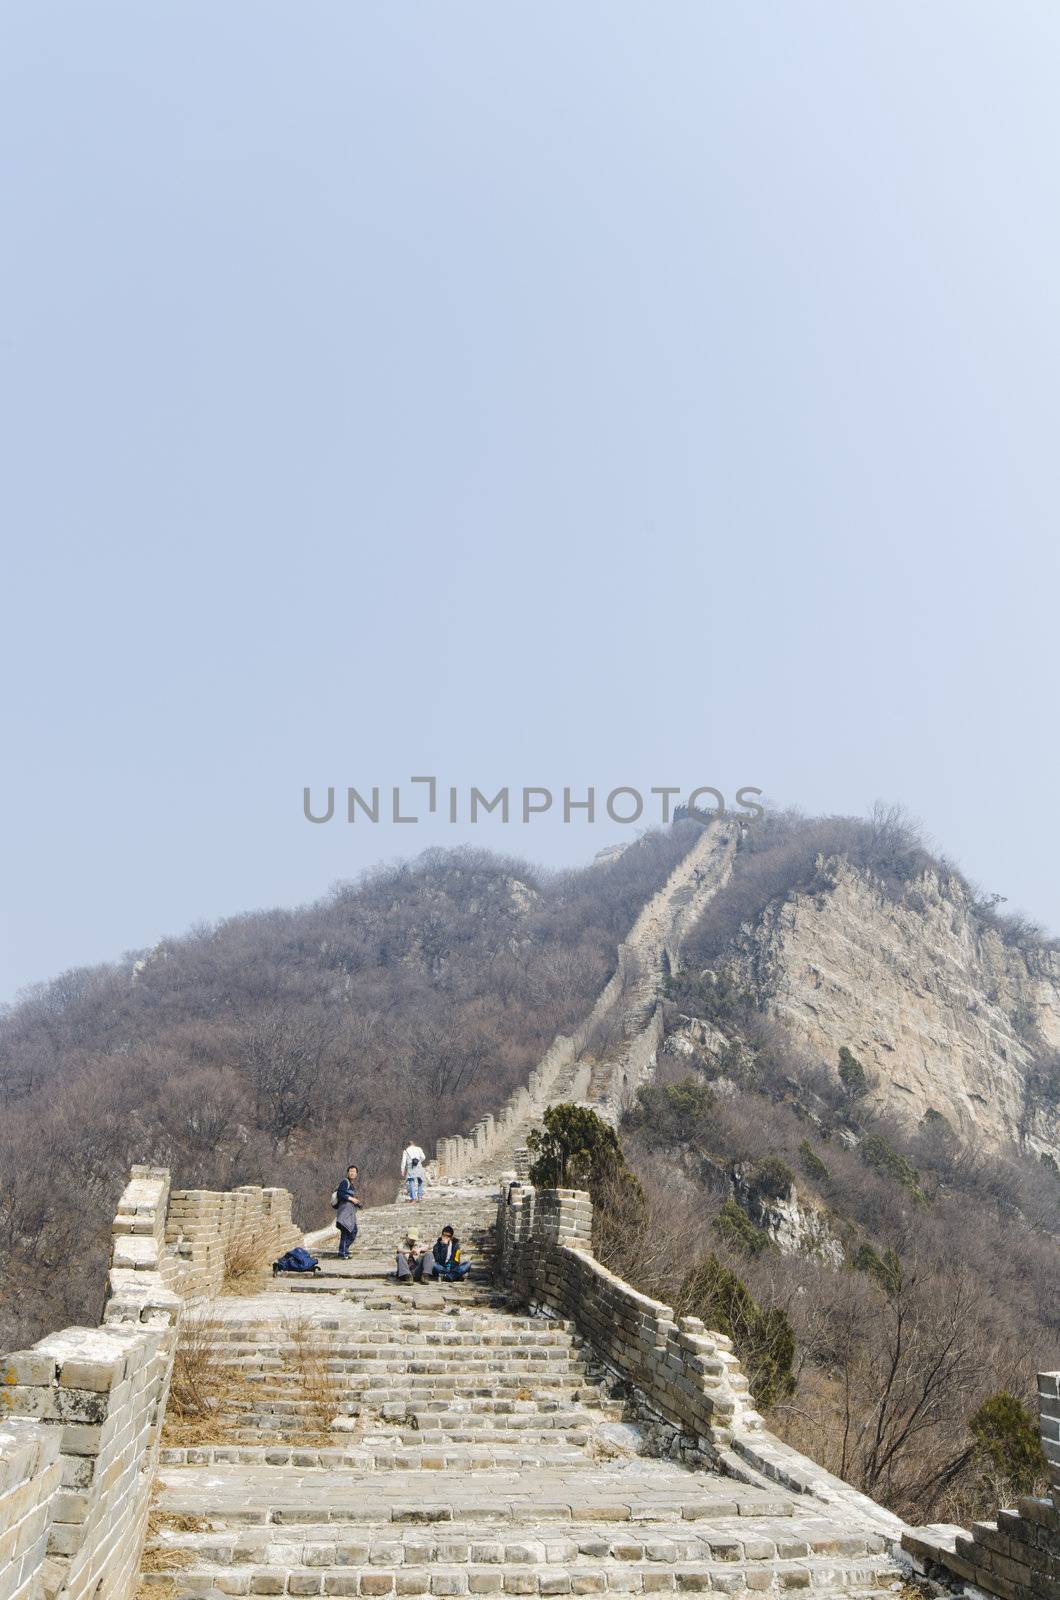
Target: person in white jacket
(413, 1166)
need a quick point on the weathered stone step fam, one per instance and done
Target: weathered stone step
(362, 1358)
(523, 1386)
(416, 1395)
(428, 1379)
(823, 1576)
(280, 1491)
(373, 1432)
(540, 1435)
(359, 1325)
(544, 1412)
(358, 1336)
(393, 1374)
(727, 1539)
(362, 1325)
(440, 1457)
(375, 1279)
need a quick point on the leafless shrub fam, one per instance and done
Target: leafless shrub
(207, 1389)
(309, 1356)
(650, 1239)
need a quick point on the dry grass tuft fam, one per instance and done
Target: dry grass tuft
(309, 1356)
(247, 1263)
(159, 1556)
(206, 1389)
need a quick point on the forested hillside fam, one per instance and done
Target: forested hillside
(884, 1284)
(275, 1047)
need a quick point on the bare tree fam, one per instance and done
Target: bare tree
(283, 1055)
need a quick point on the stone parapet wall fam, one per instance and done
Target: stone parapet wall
(1017, 1555)
(203, 1226)
(493, 1135)
(682, 1373)
(99, 1393)
(460, 1154)
(687, 1376)
(30, 1481)
(81, 1412)
(184, 1237)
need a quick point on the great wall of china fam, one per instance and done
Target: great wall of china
(613, 1050)
(541, 1429)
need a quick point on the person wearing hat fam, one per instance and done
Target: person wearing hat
(411, 1260)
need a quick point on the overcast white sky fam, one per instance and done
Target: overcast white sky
(554, 394)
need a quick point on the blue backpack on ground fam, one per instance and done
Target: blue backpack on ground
(297, 1260)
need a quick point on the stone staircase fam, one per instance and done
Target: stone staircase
(380, 1439)
(470, 1206)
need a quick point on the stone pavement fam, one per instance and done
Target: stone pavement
(377, 1439)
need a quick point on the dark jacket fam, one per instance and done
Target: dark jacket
(446, 1255)
(345, 1210)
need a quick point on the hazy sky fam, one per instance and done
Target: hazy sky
(555, 394)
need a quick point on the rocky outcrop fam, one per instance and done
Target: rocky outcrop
(943, 1014)
(796, 1227)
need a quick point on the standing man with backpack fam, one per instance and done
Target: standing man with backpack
(346, 1206)
(413, 1165)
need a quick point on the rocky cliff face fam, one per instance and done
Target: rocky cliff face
(942, 1013)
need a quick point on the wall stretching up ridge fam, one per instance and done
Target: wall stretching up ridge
(82, 1411)
(627, 1006)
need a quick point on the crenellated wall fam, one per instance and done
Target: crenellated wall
(461, 1153)
(81, 1412)
(186, 1236)
(1017, 1555)
(682, 1374)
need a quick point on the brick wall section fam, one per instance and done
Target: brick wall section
(682, 1372)
(1017, 1556)
(184, 1236)
(81, 1413)
(202, 1224)
(29, 1483)
(461, 1153)
(687, 1375)
(102, 1391)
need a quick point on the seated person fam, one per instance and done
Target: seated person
(445, 1262)
(411, 1260)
